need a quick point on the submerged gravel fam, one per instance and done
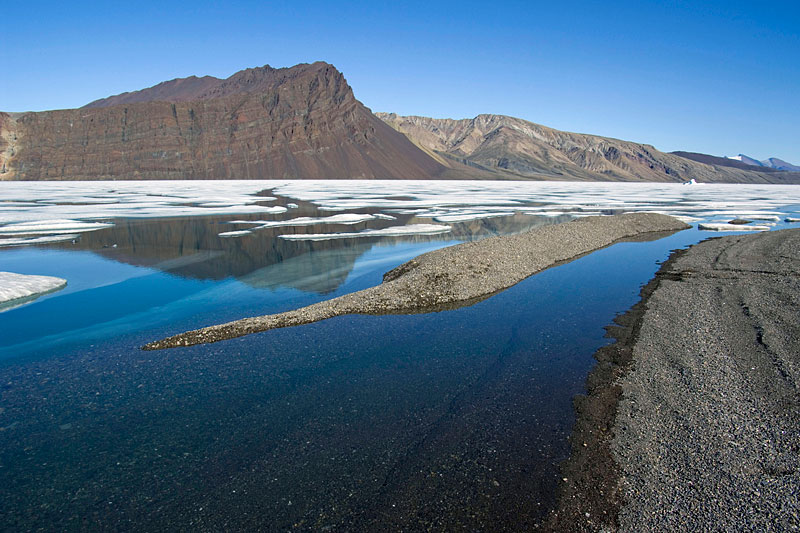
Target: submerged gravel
(452, 277)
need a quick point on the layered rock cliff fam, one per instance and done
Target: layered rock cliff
(298, 122)
(515, 147)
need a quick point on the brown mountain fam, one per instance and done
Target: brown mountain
(298, 122)
(516, 148)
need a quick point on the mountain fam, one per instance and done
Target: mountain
(297, 122)
(780, 164)
(723, 161)
(747, 160)
(516, 148)
(305, 122)
(773, 163)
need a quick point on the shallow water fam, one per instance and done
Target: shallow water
(447, 420)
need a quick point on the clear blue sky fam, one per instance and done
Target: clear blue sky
(716, 77)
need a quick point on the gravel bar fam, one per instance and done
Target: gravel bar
(692, 419)
(451, 277)
(707, 432)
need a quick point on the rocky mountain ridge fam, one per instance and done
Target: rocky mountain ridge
(517, 148)
(297, 122)
(304, 122)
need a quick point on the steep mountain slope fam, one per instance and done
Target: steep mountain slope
(298, 122)
(512, 146)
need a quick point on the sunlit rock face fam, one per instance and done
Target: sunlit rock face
(298, 122)
(516, 148)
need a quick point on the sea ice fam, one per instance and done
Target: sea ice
(711, 226)
(345, 218)
(51, 227)
(16, 286)
(24, 241)
(395, 231)
(235, 233)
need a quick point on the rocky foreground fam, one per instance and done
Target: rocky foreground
(452, 277)
(692, 422)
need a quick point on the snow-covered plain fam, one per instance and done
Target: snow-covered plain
(17, 286)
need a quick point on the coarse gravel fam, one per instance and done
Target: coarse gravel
(707, 430)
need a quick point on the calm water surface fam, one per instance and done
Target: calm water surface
(439, 421)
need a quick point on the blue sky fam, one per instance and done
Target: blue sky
(714, 77)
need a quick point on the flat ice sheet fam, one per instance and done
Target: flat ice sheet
(15, 286)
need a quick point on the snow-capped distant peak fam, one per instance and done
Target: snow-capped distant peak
(780, 164)
(747, 160)
(772, 162)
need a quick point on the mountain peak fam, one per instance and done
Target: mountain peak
(195, 88)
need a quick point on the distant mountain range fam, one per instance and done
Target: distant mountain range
(772, 162)
(515, 148)
(305, 122)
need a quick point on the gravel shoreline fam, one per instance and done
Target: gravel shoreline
(451, 277)
(692, 421)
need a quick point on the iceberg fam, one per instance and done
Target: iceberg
(20, 288)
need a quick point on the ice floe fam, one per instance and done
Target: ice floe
(25, 241)
(394, 231)
(239, 233)
(344, 218)
(724, 226)
(444, 201)
(792, 219)
(51, 227)
(18, 286)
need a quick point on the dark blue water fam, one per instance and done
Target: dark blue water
(447, 420)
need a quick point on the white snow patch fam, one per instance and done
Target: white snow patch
(711, 226)
(15, 286)
(381, 216)
(395, 231)
(292, 206)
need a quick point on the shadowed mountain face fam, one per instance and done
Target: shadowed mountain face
(522, 149)
(298, 122)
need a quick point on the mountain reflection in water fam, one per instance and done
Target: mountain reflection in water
(191, 247)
